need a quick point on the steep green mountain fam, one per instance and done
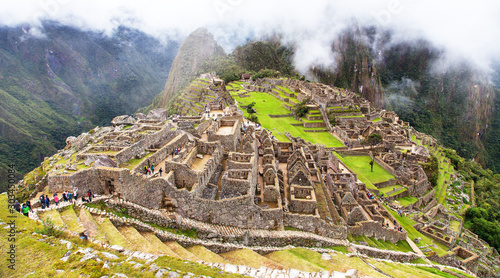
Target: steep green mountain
(453, 101)
(196, 49)
(68, 81)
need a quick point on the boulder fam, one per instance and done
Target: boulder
(123, 120)
(104, 161)
(70, 140)
(159, 114)
(140, 116)
(351, 273)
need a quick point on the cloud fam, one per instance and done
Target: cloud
(463, 28)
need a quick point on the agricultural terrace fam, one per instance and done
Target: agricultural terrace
(266, 104)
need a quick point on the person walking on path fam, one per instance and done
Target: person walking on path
(65, 197)
(70, 197)
(17, 206)
(42, 201)
(75, 193)
(26, 210)
(47, 201)
(56, 200)
(152, 169)
(89, 194)
(160, 171)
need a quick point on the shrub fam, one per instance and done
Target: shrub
(49, 229)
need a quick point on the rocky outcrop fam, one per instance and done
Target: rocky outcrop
(123, 120)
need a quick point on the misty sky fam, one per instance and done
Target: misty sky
(467, 29)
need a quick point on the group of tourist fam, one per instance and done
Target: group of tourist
(151, 170)
(176, 151)
(25, 209)
(370, 195)
(396, 227)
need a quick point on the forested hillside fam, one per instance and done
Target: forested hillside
(67, 81)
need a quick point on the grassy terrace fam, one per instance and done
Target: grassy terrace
(376, 120)
(398, 188)
(412, 233)
(361, 166)
(402, 246)
(405, 201)
(266, 104)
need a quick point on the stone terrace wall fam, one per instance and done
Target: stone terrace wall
(162, 153)
(395, 256)
(375, 229)
(386, 166)
(315, 225)
(148, 142)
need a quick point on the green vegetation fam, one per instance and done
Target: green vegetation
(402, 245)
(49, 229)
(266, 104)
(361, 166)
(301, 109)
(407, 223)
(405, 201)
(398, 189)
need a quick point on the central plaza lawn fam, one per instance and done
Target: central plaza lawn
(361, 166)
(266, 104)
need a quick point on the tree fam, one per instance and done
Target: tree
(301, 109)
(372, 139)
(250, 109)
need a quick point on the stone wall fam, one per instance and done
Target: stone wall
(314, 224)
(376, 230)
(386, 254)
(314, 124)
(149, 141)
(386, 166)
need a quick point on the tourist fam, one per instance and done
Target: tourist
(160, 171)
(42, 201)
(56, 200)
(89, 194)
(85, 199)
(75, 193)
(65, 197)
(28, 203)
(47, 201)
(152, 169)
(145, 170)
(70, 197)
(25, 210)
(17, 206)
(83, 236)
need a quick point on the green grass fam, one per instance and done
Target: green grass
(389, 188)
(455, 225)
(408, 200)
(353, 116)
(266, 104)
(134, 162)
(376, 120)
(361, 166)
(402, 245)
(305, 120)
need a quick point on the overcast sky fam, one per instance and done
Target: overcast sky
(467, 29)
